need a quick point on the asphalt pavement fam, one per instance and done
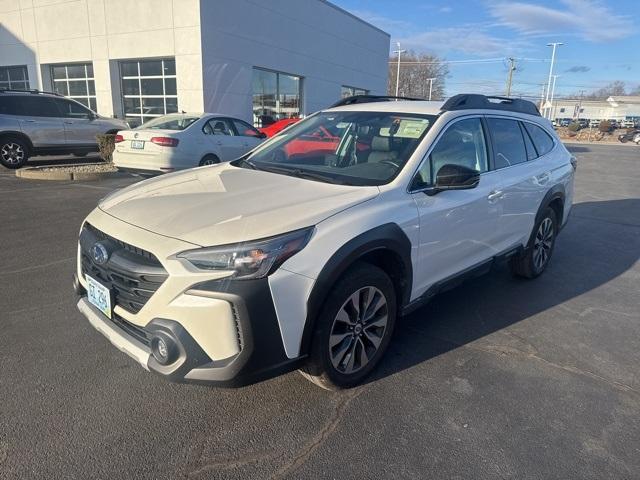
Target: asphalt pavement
(499, 378)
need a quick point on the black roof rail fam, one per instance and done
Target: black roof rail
(468, 101)
(368, 99)
(33, 90)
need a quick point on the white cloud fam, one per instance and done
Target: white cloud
(589, 19)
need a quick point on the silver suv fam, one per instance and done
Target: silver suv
(36, 123)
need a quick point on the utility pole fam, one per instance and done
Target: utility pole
(399, 52)
(512, 67)
(430, 86)
(553, 58)
(542, 97)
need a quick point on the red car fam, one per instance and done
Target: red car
(278, 126)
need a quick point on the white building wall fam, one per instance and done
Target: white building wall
(309, 38)
(43, 32)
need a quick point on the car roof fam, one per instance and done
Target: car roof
(400, 106)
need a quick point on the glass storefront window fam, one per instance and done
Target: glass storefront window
(275, 96)
(75, 81)
(16, 78)
(149, 89)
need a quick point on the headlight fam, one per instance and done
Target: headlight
(250, 260)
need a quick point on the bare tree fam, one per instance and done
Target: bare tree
(415, 72)
(616, 88)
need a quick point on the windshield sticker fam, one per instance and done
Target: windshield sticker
(405, 129)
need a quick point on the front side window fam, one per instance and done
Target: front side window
(148, 89)
(508, 142)
(353, 148)
(15, 78)
(463, 144)
(75, 81)
(70, 109)
(245, 130)
(276, 96)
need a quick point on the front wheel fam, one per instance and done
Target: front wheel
(353, 329)
(538, 253)
(14, 153)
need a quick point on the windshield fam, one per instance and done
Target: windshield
(352, 148)
(169, 122)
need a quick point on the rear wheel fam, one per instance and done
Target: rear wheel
(209, 160)
(353, 330)
(537, 255)
(14, 152)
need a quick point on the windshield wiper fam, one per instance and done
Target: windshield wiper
(248, 163)
(300, 173)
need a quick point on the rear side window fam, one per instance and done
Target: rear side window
(541, 139)
(531, 150)
(508, 142)
(10, 105)
(28, 105)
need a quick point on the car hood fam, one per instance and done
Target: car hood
(225, 204)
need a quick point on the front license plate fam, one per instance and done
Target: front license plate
(99, 296)
(137, 144)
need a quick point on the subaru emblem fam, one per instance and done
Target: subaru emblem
(135, 135)
(99, 253)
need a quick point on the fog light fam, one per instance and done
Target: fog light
(164, 349)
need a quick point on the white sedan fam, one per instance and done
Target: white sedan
(180, 140)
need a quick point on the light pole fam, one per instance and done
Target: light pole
(553, 91)
(430, 86)
(512, 67)
(399, 52)
(553, 58)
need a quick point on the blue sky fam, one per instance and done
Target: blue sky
(601, 40)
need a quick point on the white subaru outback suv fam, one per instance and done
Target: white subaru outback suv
(303, 253)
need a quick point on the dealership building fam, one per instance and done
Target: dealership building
(253, 59)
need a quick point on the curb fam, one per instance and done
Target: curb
(38, 173)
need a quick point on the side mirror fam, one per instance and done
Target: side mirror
(454, 177)
(262, 135)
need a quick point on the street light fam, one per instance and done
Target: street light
(399, 52)
(553, 91)
(553, 58)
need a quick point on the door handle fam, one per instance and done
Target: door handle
(543, 178)
(494, 195)
(69, 123)
(30, 121)
(219, 142)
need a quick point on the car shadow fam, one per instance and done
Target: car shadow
(50, 161)
(576, 148)
(480, 307)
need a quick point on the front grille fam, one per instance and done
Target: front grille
(132, 274)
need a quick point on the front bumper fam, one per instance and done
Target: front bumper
(256, 319)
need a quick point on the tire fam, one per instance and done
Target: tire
(14, 152)
(636, 138)
(209, 159)
(535, 259)
(354, 353)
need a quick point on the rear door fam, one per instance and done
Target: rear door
(458, 228)
(222, 138)
(39, 120)
(524, 176)
(79, 123)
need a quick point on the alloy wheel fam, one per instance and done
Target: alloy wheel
(542, 244)
(358, 329)
(12, 153)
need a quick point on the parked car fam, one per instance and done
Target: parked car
(627, 124)
(277, 127)
(182, 140)
(565, 122)
(630, 136)
(584, 123)
(37, 123)
(594, 123)
(233, 273)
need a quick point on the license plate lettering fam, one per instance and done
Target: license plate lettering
(99, 296)
(137, 144)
